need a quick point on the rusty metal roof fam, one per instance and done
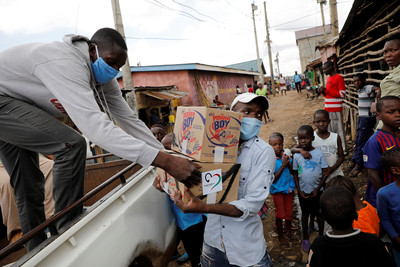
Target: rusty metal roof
(165, 94)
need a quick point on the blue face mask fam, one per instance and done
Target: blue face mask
(103, 73)
(250, 128)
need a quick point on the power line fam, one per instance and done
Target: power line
(237, 9)
(195, 10)
(341, 2)
(157, 38)
(183, 13)
(297, 19)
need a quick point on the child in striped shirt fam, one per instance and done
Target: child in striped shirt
(388, 110)
(366, 121)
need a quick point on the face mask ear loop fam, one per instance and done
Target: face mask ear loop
(97, 51)
(105, 108)
(108, 109)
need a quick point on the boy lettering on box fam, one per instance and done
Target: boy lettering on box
(234, 231)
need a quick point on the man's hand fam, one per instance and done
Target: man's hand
(179, 168)
(157, 184)
(306, 154)
(194, 205)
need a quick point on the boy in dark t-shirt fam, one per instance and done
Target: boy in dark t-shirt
(388, 110)
(344, 246)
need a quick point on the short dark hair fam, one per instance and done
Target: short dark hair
(382, 100)
(321, 111)
(306, 128)
(108, 38)
(390, 158)
(276, 134)
(329, 63)
(344, 182)
(361, 76)
(394, 36)
(338, 207)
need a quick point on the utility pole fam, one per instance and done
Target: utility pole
(261, 74)
(277, 62)
(334, 18)
(269, 48)
(321, 4)
(126, 69)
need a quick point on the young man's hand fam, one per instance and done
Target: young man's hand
(157, 184)
(179, 168)
(306, 154)
(194, 205)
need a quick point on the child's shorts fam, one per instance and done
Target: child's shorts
(283, 206)
(310, 206)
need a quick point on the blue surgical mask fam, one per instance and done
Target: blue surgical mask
(103, 73)
(250, 128)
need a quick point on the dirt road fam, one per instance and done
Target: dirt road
(288, 113)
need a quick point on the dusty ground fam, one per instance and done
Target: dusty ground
(288, 113)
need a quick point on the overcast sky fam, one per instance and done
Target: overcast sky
(213, 32)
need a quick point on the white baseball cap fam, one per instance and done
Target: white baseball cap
(248, 97)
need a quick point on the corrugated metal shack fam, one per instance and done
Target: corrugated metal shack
(360, 47)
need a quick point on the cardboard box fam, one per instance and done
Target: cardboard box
(229, 180)
(207, 134)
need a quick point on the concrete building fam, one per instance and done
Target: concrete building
(307, 40)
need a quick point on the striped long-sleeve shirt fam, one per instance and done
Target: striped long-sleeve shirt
(334, 93)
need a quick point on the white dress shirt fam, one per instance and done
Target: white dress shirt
(242, 238)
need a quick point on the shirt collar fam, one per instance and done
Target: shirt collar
(356, 232)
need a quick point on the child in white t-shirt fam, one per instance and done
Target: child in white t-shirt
(328, 143)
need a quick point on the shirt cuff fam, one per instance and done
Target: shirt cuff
(147, 156)
(243, 207)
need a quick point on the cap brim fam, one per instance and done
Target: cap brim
(249, 97)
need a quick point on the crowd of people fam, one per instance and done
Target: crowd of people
(282, 85)
(74, 77)
(367, 226)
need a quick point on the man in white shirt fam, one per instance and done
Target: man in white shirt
(234, 231)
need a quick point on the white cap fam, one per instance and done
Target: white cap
(248, 97)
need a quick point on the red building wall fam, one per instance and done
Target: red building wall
(212, 83)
